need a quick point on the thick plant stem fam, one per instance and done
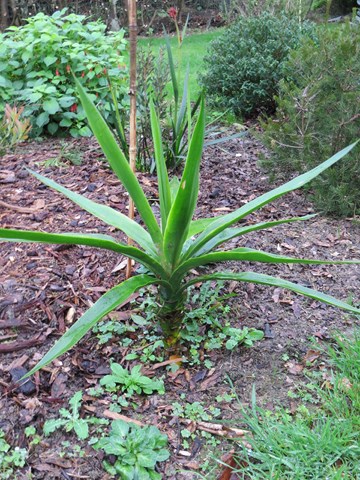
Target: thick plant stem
(170, 318)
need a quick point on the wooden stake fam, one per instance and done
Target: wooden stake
(132, 147)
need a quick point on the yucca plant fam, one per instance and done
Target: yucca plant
(172, 248)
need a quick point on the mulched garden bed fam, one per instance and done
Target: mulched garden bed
(44, 288)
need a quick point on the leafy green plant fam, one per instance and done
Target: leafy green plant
(67, 154)
(246, 336)
(207, 309)
(244, 65)
(130, 382)
(71, 420)
(318, 113)
(136, 449)
(172, 250)
(106, 330)
(195, 411)
(10, 459)
(181, 116)
(30, 433)
(36, 60)
(71, 450)
(13, 129)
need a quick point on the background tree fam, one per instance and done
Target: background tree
(4, 14)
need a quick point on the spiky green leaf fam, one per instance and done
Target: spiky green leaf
(184, 205)
(227, 220)
(161, 170)
(103, 212)
(108, 302)
(261, 279)
(92, 240)
(251, 255)
(119, 163)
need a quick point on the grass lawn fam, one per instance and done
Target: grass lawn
(191, 53)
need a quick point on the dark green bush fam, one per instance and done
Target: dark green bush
(318, 114)
(243, 66)
(36, 61)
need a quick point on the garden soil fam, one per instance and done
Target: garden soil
(44, 289)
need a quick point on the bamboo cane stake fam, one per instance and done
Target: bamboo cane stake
(132, 92)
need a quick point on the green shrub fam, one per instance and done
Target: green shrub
(319, 113)
(243, 66)
(36, 61)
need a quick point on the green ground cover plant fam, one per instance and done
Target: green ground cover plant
(130, 382)
(206, 327)
(318, 113)
(244, 65)
(136, 451)
(313, 444)
(171, 249)
(10, 458)
(36, 61)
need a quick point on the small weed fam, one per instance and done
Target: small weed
(70, 420)
(106, 330)
(195, 411)
(206, 324)
(67, 154)
(225, 397)
(136, 450)
(130, 382)
(10, 458)
(31, 434)
(71, 450)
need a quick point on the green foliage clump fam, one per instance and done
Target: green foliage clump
(136, 450)
(10, 458)
(36, 61)
(318, 114)
(130, 382)
(244, 65)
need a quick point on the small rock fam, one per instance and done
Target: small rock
(39, 217)
(57, 288)
(31, 265)
(27, 386)
(70, 269)
(91, 187)
(215, 193)
(268, 333)
(23, 174)
(32, 253)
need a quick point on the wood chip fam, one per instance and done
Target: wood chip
(216, 428)
(113, 415)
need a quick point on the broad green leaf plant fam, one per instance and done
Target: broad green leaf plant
(174, 246)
